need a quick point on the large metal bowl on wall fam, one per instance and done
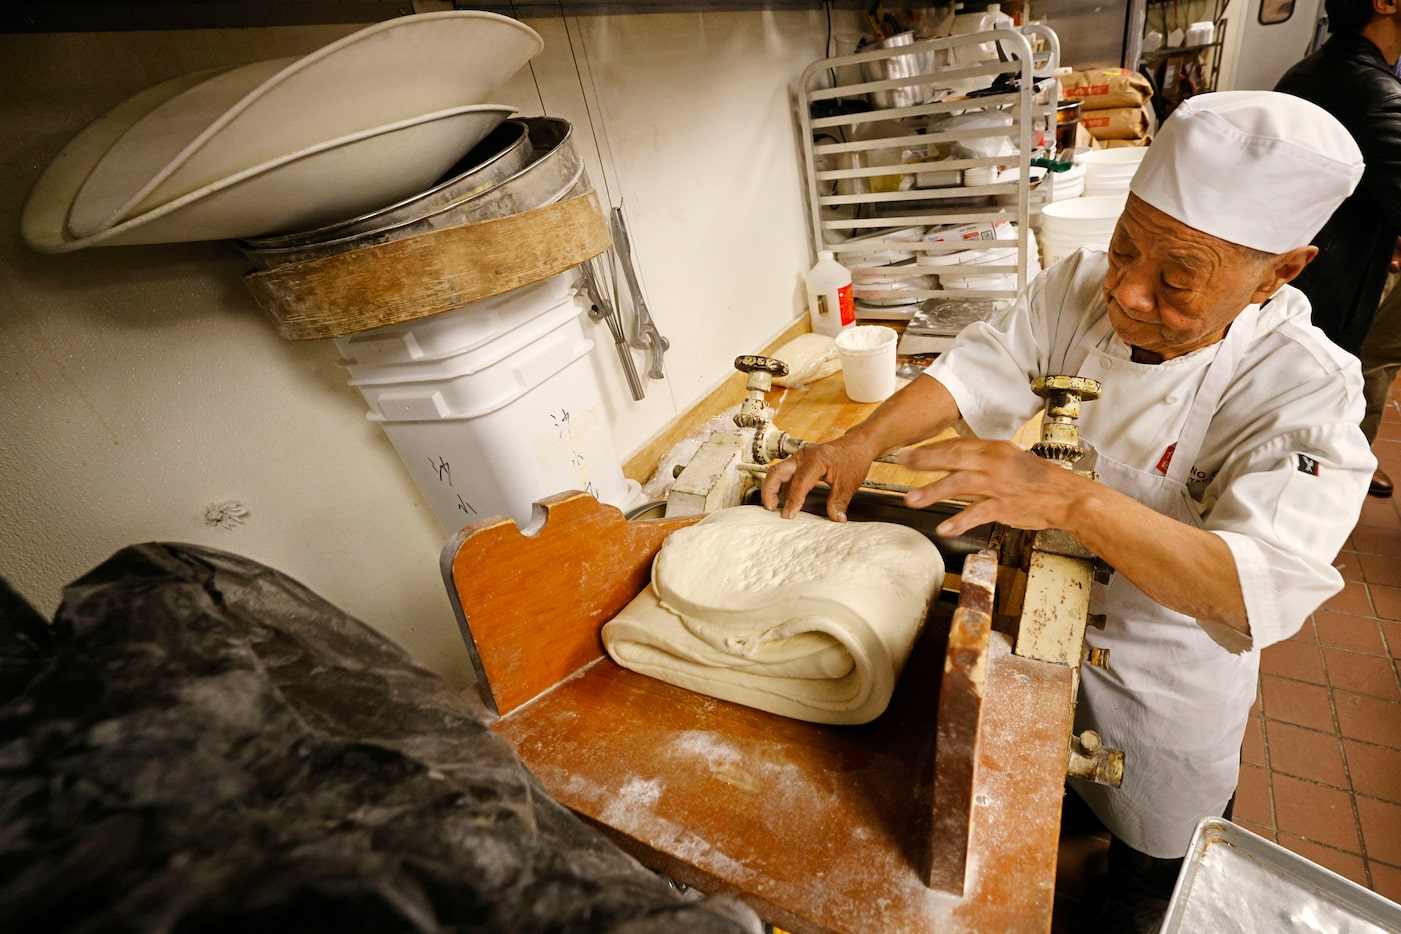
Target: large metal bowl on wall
(505, 151)
(553, 171)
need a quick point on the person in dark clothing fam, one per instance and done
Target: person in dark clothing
(1353, 77)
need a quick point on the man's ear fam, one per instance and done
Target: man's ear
(1283, 268)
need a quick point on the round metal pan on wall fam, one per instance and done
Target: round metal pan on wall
(555, 171)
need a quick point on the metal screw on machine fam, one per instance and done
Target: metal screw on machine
(1090, 759)
(1060, 435)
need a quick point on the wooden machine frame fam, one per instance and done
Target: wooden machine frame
(941, 815)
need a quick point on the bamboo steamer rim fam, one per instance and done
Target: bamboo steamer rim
(414, 277)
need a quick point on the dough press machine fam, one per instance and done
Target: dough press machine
(943, 814)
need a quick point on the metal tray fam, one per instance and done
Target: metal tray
(1237, 882)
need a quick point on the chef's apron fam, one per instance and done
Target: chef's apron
(1172, 699)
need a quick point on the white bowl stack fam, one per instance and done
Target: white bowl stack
(989, 245)
(885, 280)
(1109, 171)
(285, 144)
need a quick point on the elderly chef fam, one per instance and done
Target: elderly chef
(1231, 466)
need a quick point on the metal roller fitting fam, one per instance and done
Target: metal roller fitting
(1060, 435)
(1095, 658)
(1085, 389)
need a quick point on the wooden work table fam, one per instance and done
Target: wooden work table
(822, 410)
(816, 412)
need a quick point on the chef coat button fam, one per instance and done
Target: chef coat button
(1109, 364)
(1170, 400)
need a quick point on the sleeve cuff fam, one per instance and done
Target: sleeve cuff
(1269, 621)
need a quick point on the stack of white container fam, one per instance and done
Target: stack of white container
(493, 405)
(950, 267)
(1109, 171)
(1089, 220)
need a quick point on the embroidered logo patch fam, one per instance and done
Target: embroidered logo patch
(1307, 465)
(1166, 459)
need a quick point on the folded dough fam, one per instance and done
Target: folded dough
(802, 617)
(810, 357)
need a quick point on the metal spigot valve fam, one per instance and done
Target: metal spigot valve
(761, 371)
(769, 443)
(1060, 435)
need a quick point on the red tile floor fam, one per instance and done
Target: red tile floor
(1321, 765)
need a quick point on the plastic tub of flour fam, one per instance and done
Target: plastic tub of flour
(1237, 882)
(490, 431)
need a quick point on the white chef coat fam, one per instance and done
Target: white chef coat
(1274, 463)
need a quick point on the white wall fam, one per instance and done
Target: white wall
(1256, 56)
(140, 385)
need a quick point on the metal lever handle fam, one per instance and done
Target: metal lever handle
(603, 310)
(645, 332)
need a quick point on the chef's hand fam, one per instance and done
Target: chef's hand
(1006, 484)
(842, 463)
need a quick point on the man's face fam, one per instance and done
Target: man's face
(1172, 289)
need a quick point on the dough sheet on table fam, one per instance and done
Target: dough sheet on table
(802, 617)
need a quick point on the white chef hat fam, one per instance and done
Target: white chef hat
(1258, 168)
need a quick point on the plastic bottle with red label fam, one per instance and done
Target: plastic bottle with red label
(831, 304)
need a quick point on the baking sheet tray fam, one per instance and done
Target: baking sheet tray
(1237, 882)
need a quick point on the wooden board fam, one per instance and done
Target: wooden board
(532, 605)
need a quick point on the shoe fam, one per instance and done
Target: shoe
(1381, 485)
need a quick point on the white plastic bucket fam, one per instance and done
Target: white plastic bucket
(1111, 169)
(1054, 250)
(551, 438)
(867, 353)
(1084, 218)
(1065, 185)
(493, 430)
(461, 329)
(500, 369)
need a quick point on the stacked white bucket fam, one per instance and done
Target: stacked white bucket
(1088, 220)
(493, 405)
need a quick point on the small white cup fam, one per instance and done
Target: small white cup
(867, 353)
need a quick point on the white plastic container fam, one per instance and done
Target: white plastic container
(491, 431)
(1068, 225)
(1109, 171)
(461, 329)
(1200, 33)
(867, 353)
(1077, 217)
(502, 366)
(831, 302)
(1067, 184)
